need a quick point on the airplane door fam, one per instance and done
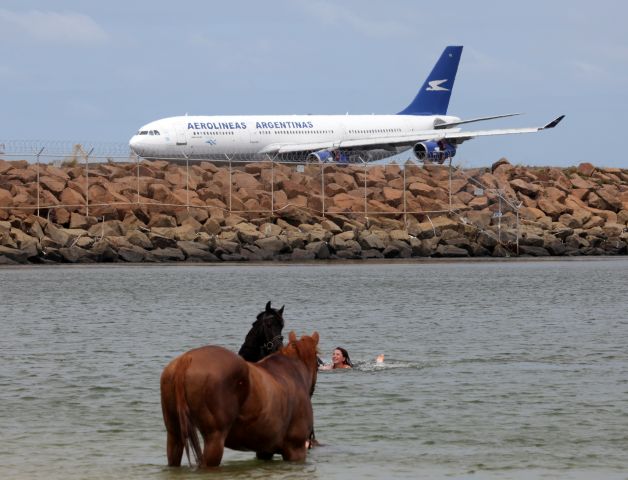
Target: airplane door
(181, 136)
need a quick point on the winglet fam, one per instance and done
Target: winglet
(554, 122)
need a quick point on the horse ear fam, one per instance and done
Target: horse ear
(280, 311)
(268, 306)
(315, 337)
(292, 337)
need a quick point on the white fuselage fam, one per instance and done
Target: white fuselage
(422, 126)
(212, 136)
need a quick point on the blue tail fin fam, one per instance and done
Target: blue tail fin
(433, 98)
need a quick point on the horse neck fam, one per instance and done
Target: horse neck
(251, 349)
(305, 359)
(277, 364)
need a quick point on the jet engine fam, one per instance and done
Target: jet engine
(325, 156)
(321, 156)
(434, 150)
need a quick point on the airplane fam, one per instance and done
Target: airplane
(422, 126)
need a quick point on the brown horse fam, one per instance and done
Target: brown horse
(263, 407)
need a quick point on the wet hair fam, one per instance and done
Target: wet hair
(346, 355)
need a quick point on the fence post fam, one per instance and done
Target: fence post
(230, 184)
(87, 182)
(366, 214)
(272, 188)
(38, 186)
(187, 184)
(405, 206)
(323, 189)
(450, 202)
(499, 218)
(137, 160)
(517, 231)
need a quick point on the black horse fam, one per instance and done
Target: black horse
(265, 336)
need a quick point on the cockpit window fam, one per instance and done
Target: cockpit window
(143, 132)
(156, 132)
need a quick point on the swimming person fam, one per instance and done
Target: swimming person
(339, 359)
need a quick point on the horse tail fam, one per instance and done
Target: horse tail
(187, 429)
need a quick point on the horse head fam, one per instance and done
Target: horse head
(265, 336)
(306, 350)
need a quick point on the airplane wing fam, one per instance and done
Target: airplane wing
(471, 120)
(373, 142)
(298, 147)
(455, 135)
(459, 137)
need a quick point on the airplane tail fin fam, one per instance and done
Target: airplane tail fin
(433, 97)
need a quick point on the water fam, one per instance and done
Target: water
(493, 369)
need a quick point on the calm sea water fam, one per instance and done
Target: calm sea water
(493, 369)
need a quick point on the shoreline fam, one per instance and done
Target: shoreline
(327, 263)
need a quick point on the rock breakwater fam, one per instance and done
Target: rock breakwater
(156, 211)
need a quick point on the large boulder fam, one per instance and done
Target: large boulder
(6, 198)
(551, 208)
(26, 243)
(528, 189)
(54, 184)
(534, 251)
(162, 220)
(196, 252)
(320, 249)
(107, 228)
(247, 181)
(168, 254)
(58, 236)
(274, 245)
(187, 232)
(586, 169)
(75, 254)
(610, 194)
(14, 255)
(451, 251)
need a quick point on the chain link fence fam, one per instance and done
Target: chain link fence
(93, 182)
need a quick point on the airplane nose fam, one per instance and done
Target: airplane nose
(134, 143)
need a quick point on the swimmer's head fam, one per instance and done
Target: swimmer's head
(380, 358)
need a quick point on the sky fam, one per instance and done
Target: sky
(81, 71)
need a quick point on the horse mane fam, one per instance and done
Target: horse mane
(250, 346)
(305, 349)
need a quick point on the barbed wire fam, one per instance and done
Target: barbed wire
(58, 150)
(62, 147)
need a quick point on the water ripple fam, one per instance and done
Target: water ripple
(497, 370)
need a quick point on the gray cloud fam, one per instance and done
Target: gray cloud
(40, 26)
(334, 14)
